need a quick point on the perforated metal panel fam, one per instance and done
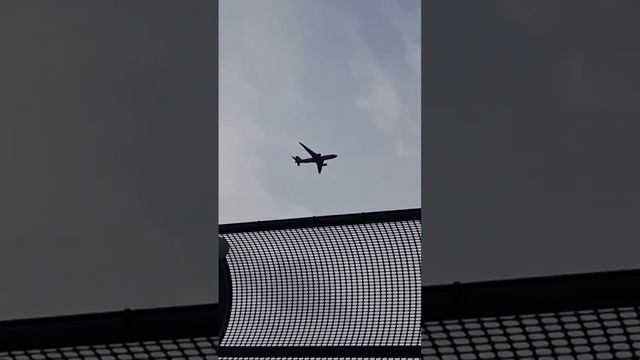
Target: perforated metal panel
(352, 281)
(585, 335)
(183, 332)
(583, 317)
(568, 317)
(347, 285)
(188, 349)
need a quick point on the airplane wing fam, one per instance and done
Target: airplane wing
(319, 164)
(308, 150)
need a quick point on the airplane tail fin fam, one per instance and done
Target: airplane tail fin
(297, 160)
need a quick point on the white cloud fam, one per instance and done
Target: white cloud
(256, 83)
(242, 194)
(408, 24)
(380, 99)
(388, 93)
(401, 149)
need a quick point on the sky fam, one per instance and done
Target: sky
(343, 77)
(108, 156)
(530, 139)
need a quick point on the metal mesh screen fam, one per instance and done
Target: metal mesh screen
(347, 285)
(188, 349)
(612, 333)
(335, 287)
(350, 289)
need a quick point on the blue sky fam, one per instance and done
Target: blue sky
(342, 77)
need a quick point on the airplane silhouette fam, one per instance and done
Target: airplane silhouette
(316, 158)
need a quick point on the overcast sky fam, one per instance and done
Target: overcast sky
(341, 76)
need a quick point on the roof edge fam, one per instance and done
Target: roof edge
(110, 327)
(556, 293)
(325, 220)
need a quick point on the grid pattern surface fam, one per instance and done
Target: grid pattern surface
(203, 348)
(347, 285)
(315, 358)
(612, 333)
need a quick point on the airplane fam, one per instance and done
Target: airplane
(316, 158)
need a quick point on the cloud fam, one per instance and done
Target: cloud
(257, 82)
(407, 22)
(381, 100)
(387, 88)
(242, 194)
(401, 149)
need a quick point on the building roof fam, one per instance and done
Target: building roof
(575, 316)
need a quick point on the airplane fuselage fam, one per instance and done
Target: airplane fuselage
(317, 158)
